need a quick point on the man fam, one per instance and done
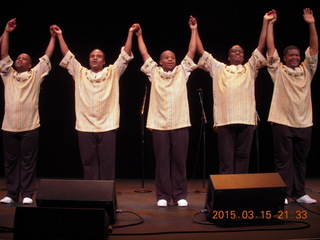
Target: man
(97, 106)
(234, 101)
(168, 118)
(291, 108)
(20, 127)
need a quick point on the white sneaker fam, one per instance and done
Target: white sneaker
(286, 202)
(162, 203)
(6, 200)
(27, 200)
(306, 199)
(182, 203)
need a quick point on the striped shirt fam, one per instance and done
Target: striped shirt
(233, 89)
(21, 94)
(291, 101)
(96, 94)
(168, 107)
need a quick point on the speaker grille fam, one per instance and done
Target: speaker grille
(78, 194)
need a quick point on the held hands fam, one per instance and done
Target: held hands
(52, 32)
(192, 23)
(271, 16)
(55, 30)
(134, 28)
(138, 29)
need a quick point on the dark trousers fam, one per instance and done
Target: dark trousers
(171, 150)
(291, 149)
(20, 159)
(234, 145)
(98, 153)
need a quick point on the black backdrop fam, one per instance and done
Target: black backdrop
(87, 25)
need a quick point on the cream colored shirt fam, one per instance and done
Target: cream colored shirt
(96, 94)
(291, 101)
(168, 107)
(233, 89)
(21, 94)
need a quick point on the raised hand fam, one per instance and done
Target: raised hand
(308, 15)
(55, 29)
(138, 31)
(11, 25)
(134, 28)
(192, 22)
(271, 15)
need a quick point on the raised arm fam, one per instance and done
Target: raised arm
(128, 44)
(308, 18)
(4, 40)
(50, 48)
(142, 46)
(63, 46)
(263, 35)
(193, 39)
(270, 34)
(200, 49)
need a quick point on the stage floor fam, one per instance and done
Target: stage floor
(175, 222)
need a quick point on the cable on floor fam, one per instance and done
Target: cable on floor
(141, 221)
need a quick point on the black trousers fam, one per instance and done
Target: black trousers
(98, 154)
(20, 159)
(171, 151)
(234, 145)
(291, 149)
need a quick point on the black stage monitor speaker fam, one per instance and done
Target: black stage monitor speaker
(39, 223)
(78, 194)
(238, 197)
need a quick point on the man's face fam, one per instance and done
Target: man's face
(96, 60)
(23, 63)
(292, 58)
(168, 60)
(236, 55)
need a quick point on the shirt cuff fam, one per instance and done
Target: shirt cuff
(147, 65)
(274, 60)
(66, 59)
(45, 58)
(189, 63)
(307, 54)
(275, 54)
(202, 63)
(258, 53)
(5, 64)
(125, 56)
